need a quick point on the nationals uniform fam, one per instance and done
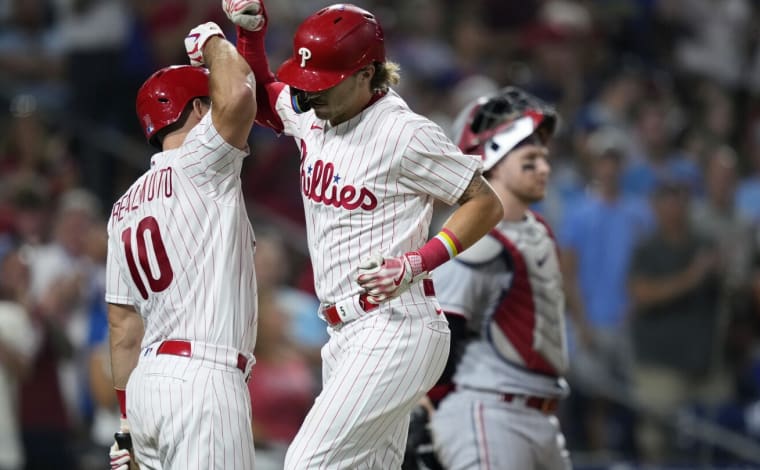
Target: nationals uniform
(181, 252)
(368, 186)
(508, 287)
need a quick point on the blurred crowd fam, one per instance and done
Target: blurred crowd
(654, 199)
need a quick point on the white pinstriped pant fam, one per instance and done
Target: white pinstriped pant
(189, 413)
(475, 430)
(375, 369)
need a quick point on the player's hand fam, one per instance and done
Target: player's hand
(120, 458)
(121, 450)
(196, 39)
(248, 14)
(386, 278)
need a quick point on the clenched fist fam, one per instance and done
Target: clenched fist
(248, 14)
(386, 278)
(196, 39)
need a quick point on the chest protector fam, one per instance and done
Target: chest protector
(527, 325)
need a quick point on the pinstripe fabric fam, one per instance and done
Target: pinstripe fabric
(181, 251)
(368, 186)
(189, 414)
(375, 370)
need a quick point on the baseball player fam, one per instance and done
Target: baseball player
(504, 298)
(180, 281)
(370, 171)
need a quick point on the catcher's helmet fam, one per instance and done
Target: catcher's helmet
(330, 45)
(493, 125)
(164, 95)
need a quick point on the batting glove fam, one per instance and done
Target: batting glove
(121, 458)
(248, 14)
(386, 278)
(197, 38)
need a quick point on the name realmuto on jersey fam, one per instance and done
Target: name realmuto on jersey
(156, 185)
(319, 185)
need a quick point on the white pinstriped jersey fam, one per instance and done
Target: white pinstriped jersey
(181, 245)
(525, 287)
(368, 185)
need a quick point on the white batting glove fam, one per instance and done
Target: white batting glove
(386, 278)
(248, 14)
(120, 458)
(196, 39)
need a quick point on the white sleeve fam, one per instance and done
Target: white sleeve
(212, 163)
(118, 289)
(433, 165)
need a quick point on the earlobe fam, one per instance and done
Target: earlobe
(199, 108)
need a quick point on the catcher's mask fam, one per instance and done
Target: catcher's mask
(494, 125)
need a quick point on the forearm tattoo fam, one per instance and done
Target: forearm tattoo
(477, 186)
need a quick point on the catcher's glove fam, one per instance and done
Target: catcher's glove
(419, 453)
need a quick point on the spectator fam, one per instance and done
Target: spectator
(60, 287)
(675, 289)
(305, 329)
(596, 240)
(283, 387)
(17, 344)
(30, 57)
(748, 192)
(655, 156)
(716, 218)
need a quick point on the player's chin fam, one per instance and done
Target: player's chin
(532, 197)
(320, 111)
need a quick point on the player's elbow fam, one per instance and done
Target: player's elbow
(240, 102)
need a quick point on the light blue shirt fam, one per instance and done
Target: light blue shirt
(603, 235)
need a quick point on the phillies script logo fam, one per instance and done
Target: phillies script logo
(320, 184)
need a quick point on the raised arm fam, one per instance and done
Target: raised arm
(250, 18)
(231, 82)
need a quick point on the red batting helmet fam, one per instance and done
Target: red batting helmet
(330, 45)
(493, 125)
(164, 95)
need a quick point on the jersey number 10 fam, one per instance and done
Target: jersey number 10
(165, 273)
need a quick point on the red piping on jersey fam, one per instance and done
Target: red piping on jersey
(516, 313)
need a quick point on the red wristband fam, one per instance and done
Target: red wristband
(121, 396)
(440, 249)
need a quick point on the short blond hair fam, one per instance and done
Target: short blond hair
(386, 75)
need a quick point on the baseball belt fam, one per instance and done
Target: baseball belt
(353, 307)
(546, 405)
(184, 348)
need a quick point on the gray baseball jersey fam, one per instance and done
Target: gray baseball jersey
(509, 288)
